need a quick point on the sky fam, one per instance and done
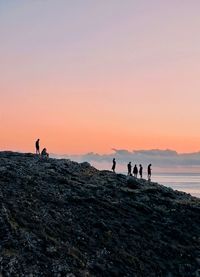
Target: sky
(90, 76)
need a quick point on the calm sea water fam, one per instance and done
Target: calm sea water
(184, 181)
(188, 182)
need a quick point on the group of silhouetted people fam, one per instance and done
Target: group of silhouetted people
(44, 153)
(135, 170)
(134, 173)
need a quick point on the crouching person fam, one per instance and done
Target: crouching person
(44, 153)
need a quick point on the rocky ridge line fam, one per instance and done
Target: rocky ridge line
(60, 218)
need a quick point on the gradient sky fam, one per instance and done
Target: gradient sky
(95, 75)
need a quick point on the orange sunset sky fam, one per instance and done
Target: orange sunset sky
(95, 75)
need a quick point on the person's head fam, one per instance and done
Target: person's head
(140, 165)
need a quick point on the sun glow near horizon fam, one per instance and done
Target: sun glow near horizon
(96, 76)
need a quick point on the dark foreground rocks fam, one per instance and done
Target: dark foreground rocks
(61, 218)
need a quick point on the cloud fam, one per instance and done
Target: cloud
(158, 158)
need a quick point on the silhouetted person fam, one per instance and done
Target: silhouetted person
(44, 153)
(37, 146)
(114, 165)
(129, 166)
(135, 171)
(140, 170)
(149, 172)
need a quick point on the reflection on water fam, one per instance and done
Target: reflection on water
(188, 182)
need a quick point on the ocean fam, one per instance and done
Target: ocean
(187, 182)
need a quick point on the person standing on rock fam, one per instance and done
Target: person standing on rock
(37, 146)
(140, 171)
(149, 172)
(135, 171)
(114, 165)
(129, 166)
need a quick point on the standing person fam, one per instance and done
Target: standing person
(149, 172)
(114, 165)
(140, 171)
(129, 166)
(135, 171)
(37, 146)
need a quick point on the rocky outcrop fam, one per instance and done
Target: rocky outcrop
(61, 218)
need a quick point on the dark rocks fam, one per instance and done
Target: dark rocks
(61, 218)
(133, 183)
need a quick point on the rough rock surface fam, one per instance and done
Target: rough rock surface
(61, 218)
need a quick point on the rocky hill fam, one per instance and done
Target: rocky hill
(61, 218)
